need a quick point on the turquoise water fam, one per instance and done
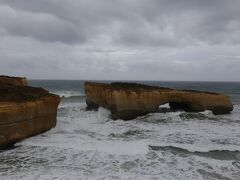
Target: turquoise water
(89, 145)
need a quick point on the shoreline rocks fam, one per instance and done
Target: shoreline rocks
(24, 111)
(128, 100)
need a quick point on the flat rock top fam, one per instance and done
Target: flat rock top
(11, 77)
(122, 85)
(17, 81)
(21, 93)
(127, 86)
(136, 86)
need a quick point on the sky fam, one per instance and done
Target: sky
(183, 40)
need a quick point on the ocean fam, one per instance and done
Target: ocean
(89, 145)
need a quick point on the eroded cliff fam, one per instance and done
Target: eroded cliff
(128, 100)
(17, 81)
(25, 111)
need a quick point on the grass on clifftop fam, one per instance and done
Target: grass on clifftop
(126, 85)
(12, 77)
(20, 93)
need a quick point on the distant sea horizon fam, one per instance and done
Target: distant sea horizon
(126, 80)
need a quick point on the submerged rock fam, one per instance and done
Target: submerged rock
(128, 100)
(25, 111)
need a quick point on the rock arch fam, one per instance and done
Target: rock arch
(128, 100)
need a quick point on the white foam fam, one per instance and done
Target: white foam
(89, 145)
(164, 105)
(68, 93)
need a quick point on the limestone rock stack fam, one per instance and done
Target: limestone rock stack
(129, 100)
(24, 111)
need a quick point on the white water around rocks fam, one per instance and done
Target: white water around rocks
(89, 145)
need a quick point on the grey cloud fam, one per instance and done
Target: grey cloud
(139, 22)
(44, 27)
(120, 39)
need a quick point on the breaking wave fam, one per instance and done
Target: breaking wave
(162, 145)
(214, 154)
(69, 94)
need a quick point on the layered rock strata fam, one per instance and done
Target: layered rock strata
(128, 100)
(25, 111)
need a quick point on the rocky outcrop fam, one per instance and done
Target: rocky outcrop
(17, 81)
(128, 100)
(25, 111)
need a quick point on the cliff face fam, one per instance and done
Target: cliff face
(127, 100)
(25, 111)
(17, 81)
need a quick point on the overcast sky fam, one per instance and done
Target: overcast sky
(121, 39)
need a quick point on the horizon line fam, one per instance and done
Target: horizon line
(132, 80)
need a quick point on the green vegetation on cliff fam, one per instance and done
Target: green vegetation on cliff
(20, 93)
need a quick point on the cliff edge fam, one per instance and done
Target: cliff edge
(25, 111)
(16, 81)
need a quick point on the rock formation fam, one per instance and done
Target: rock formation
(24, 111)
(128, 100)
(17, 81)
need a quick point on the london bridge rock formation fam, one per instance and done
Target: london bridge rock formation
(24, 111)
(128, 100)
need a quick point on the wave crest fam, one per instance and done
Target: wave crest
(69, 94)
(214, 154)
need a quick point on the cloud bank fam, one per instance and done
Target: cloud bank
(121, 39)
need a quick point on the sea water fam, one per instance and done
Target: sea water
(89, 145)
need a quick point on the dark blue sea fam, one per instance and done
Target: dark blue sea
(89, 145)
